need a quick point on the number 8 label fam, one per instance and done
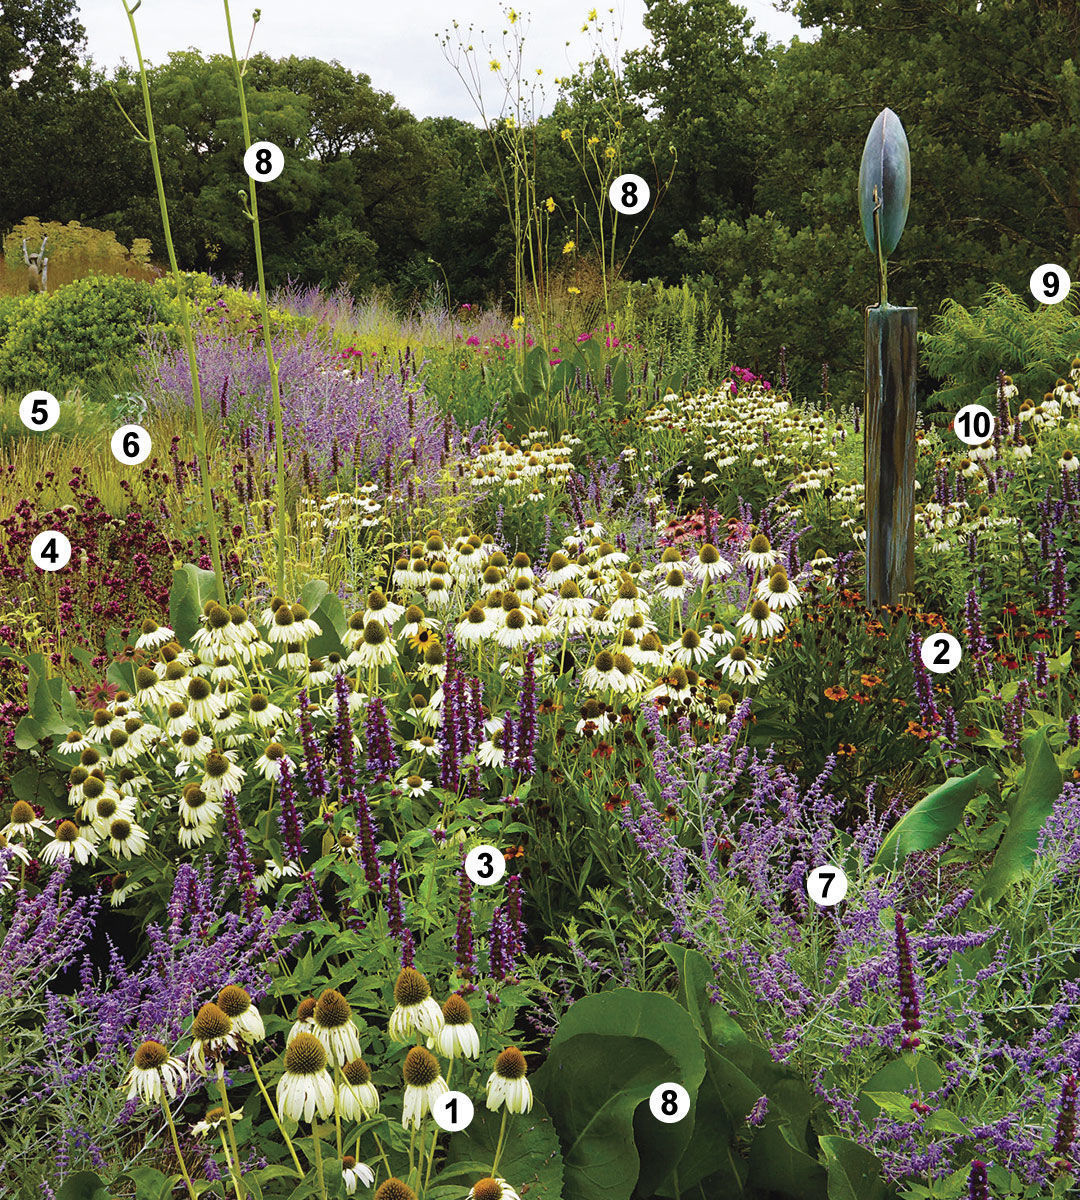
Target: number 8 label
(669, 1102)
(264, 161)
(629, 194)
(485, 865)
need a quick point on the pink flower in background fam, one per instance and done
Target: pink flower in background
(472, 341)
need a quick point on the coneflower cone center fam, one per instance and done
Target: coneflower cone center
(421, 1067)
(305, 1055)
(411, 987)
(331, 1009)
(510, 1064)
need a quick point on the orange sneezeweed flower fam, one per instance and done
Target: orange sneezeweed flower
(839, 692)
(870, 680)
(846, 749)
(918, 730)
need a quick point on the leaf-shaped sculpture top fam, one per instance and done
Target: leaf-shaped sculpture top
(886, 165)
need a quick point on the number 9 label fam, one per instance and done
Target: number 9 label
(941, 653)
(1050, 283)
(826, 886)
(485, 865)
(629, 194)
(669, 1102)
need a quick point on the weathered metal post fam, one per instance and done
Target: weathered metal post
(891, 360)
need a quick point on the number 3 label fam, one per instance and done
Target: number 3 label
(485, 865)
(629, 194)
(1049, 283)
(941, 653)
(826, 886)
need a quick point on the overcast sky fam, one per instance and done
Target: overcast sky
(393, 41)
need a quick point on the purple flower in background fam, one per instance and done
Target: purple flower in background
(909, 999)
(289, 821)
(382, 759)
(1065, 1130)
(978, 1183)
(314, 775)
(756, 1116)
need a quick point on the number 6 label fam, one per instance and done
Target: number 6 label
(826, 886)
(629, 194)
(131, 445)
(485, 865)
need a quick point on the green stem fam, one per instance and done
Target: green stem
(176, 1143)
(274, 1114)
(228, 1161)
(499, 1143)
(185, 320)
(318, 1158)
(275, 389)
(241, 1190)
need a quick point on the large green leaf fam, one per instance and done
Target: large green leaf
(191, 588)
(1036, 791)
(711, 1155)
(930, 822)
(909, 1070)
(854, 1173)
(886, 166)
(609, 1053)
(531, 1158)
(779, 1164)
(83, 1185)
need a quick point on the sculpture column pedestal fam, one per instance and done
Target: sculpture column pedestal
(889, 462)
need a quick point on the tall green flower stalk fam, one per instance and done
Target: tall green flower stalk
(252, 212)
(185, 319)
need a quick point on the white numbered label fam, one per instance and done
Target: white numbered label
(50, 550)
(131, 445)
(973, 424)
(941, 652)
(1049, 283)
(826, 885)
(453, 1111)
(264, 161)
(669, 1102)
(485, 865)
(629, 194)
(39, 410)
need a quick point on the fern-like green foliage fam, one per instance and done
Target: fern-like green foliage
(968, 347)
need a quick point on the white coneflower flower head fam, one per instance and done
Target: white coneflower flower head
(334, 1027)
(424, 1084)
(212, 1034)
(235, 1003)
(415, 1011)
(306, 1087)
(155, 1072)
(458, 1036)
(492, 1187)
(507, 1083)
(357, 1097)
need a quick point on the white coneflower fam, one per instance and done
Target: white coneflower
(202, 704)
(267, 614)
(263, 714)
(1022, 449)
(154, 1073)
(600, 675)
(424, 1085)
(102, 724)
(415, 1011)
(211, 1035)
(214, 1119)
(216, 636)
(473, 627)
(628, 601)
(354, 1173)
(626, 677)
(335, 1028)
(68, 842)
(247, 1022)
(376, 648)
(426, 746)
(193, 744)
(689, 649)
(221, 775)
(305, 1018)
(779, 591)
(306, 1087)
(492, 752)
(335, 664)
(759, 555)
(607, 555)
(123, 749)
(268, 764)
(284, 628)
(74, 743)
(600, 622)
(304, 625)
(674, 586)
(179, 718)
(194, 833)
(515, 630)
(648, 652)
(224, 671)
(357, 1097)
(24, 823)
(736, 664)
(416, 786)
(149, 689)
(569, 604)
(710, 564)
(1069, 461)
(507, 1083)
(458, 1036)
(381, 609)
(594, 718)
(196, 807)
(152, 635)
(492, 1187)
(560, 569)
(760, 621)
(126, 838)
